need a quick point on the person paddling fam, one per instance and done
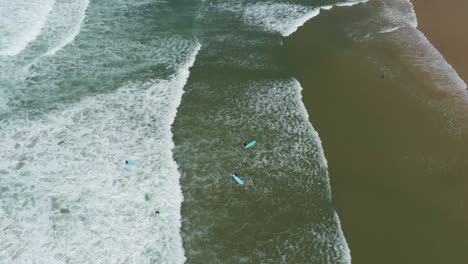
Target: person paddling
(237, 178)
(250, 144)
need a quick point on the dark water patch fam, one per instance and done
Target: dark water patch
(395, 145)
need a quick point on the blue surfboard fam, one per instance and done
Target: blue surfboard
(130, 164)
(251, 144)
(238, 180)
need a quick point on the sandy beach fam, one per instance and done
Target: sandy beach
(444, 24)
(398, 177)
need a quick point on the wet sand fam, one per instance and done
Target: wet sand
(444, 24)
(399, 179)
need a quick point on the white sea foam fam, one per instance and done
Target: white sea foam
(351, 3)
(281, 114)
(278, 107)
(390, 29)
(305, 116)
(399, 13)
(77, 13)
(279, 17)
(65, 196)
(3, 100)
(284, 18)
(395, 21)
(21, 22)
(426, 62)
(398, 19)
(344, 247)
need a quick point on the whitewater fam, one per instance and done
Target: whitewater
(65, 194)
(86, 85)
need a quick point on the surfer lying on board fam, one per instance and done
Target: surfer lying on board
(237, 178)
(250, 144)
(156, 213)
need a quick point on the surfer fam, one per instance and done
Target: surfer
(382, 76)
(156, 213)
(129, 163)
(250, 144)
(234, 175)
(237, 178)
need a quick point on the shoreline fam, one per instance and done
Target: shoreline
(397, 178)
(442, 23)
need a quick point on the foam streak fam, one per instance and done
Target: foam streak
(73, 32)
(21, 23)
(65, 196)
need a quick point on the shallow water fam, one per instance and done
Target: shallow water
(393, 118)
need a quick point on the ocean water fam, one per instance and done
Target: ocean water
(393, 25)
(96, 84)
(176, 87)
(393, 117)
